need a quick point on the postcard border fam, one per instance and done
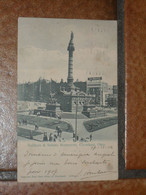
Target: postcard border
(123, 173)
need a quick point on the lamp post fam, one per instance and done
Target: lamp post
(76, 117)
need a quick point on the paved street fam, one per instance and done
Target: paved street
(108, 133)
(40, 131)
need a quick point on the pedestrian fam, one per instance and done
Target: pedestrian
(31, 136)
(73, 135)
(45, 138)
(90, 137)
(36, 126)
(58, 130)
(55, 137)
(60, 133)
(50, 137)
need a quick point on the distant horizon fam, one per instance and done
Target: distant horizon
(42, 49)
(41, 78)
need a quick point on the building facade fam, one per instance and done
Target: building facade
(105, 95)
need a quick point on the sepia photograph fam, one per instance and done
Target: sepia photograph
(67, 100)
(67, 80)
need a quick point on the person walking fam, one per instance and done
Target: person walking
(36, 126)
(45, 138)
(90, 137)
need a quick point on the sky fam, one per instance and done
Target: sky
(42, 49)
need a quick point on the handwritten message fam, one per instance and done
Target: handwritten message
(46, 162)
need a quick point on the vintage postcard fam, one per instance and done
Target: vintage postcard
(67, 100)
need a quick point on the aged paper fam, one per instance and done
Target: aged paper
(67, 100)
(67, 161)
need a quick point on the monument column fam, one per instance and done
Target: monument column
(70, 61)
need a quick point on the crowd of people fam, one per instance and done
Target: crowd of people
(22, 122)
(55, 136)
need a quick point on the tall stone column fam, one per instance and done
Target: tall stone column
(70, 61)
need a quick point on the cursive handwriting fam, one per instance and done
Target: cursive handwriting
(94, 162)
(50, 172)
(69, 162)
(30, 154)
(104, 154)
(89, 174)
(85, 162)
(33, 172)
(33, 164)
(78, 155)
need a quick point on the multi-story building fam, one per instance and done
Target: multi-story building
(112, 100)
(94, 87)
(106, 95)
(115, 89)
(100, 89)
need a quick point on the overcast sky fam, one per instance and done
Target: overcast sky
(42, 49)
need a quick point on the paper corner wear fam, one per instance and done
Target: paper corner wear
(67, 100)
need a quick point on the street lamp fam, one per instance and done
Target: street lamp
(76, 117)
